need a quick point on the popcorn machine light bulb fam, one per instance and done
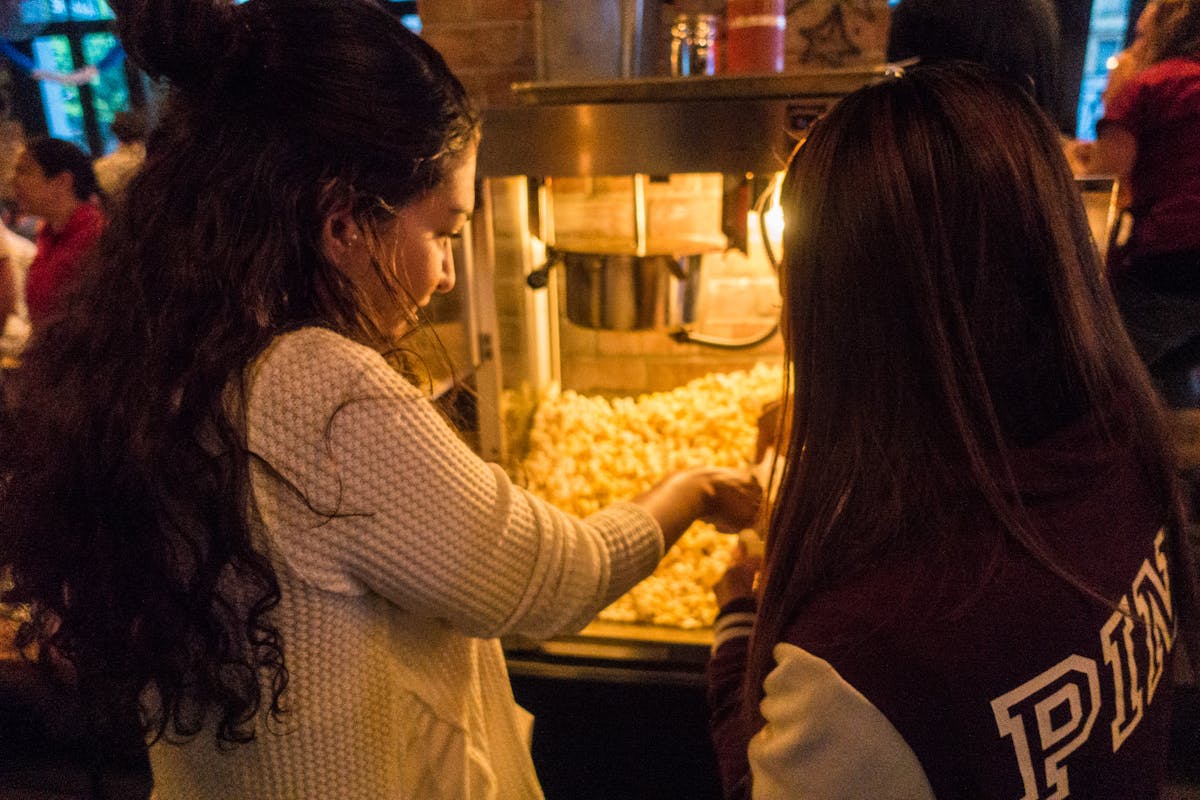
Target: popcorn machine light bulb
(772, 217)
(774, 224)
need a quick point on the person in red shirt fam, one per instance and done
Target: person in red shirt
(54, 180)
(1149, 138)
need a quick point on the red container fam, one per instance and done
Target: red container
(754, 35)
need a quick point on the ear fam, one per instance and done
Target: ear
(342, 240)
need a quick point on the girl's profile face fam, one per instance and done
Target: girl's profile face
(414, 248)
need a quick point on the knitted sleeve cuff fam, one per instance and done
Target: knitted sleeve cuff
(735, 621)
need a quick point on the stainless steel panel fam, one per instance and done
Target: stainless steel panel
(810, 83)
(589, 39)
(652, 138)
(616, 652)
(659, 126)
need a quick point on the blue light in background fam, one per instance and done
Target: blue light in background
(1106, 38)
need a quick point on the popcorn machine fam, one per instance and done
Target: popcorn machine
(632, 212)
(625, 232)
(625, 235)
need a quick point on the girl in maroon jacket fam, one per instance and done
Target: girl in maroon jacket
(974, 583)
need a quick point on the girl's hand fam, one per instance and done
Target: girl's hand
(734, 498)
(738, 582)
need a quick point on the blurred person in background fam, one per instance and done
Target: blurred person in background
(1132, 59)
(16, 254)
(114, 170)
(54, 180)
(1019, 39)
(8, 300)
(1149, 138)
(976, 580)
(222, 503)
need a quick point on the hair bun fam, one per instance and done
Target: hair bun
(192, 43)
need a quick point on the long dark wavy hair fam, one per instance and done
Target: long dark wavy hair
(125, 500)
(943, 307)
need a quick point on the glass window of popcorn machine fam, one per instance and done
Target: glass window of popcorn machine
(642, 212)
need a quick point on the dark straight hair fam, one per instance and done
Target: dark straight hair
(1019, 39)
(943, 307)
(56, 156)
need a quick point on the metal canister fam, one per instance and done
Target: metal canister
(694, 44)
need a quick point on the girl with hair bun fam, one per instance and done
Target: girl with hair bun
(223, 507)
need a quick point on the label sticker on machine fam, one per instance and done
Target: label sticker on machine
(801, 116)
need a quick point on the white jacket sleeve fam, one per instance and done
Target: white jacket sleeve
(823, 740)
(363, 486)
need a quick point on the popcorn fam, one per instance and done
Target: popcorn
(586, 452)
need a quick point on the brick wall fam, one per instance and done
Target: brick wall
(489, 44)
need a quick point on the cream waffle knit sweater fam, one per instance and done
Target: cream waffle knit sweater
(404, 561)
